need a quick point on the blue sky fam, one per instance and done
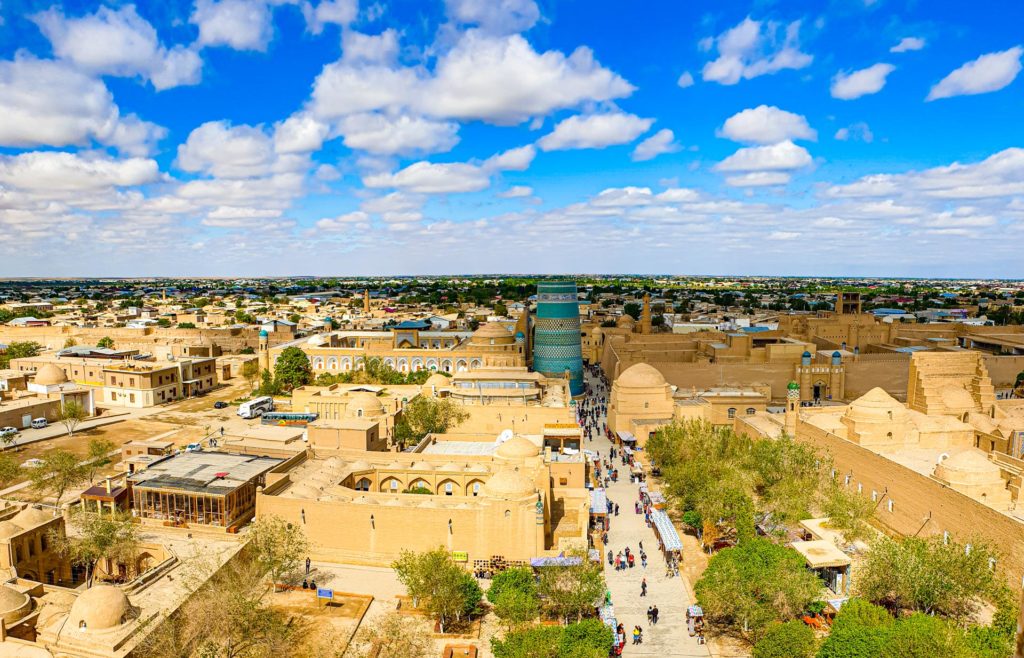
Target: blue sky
(333, 137)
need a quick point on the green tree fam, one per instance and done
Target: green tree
(792, 639)
(19, 350)
(163, 323)
(70, 342)
(251, 373)
(589, 638)
(514, 595)
(518, 579)
(107, 536)
(10, 470)
(434, 579)
(72, 413)
(859, 631)
(500, 309)
(278, 547)
(58, 472)
(749, 586)
(292, 369)
(99, 454)
(573, 589)
(268, 385)
(848, 512)
(106, 343)
(186, 325)
(294, 317)
(928, 575)
(425, 416)
(393, 636)
(924, 636)
(538, 642)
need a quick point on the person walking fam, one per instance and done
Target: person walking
(650, 614)
(643, 560)
(643, 587)
(631, 558)
(654, 615)
(618, 561)
(638, 635)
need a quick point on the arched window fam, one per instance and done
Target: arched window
(363, 484)
(751, 411)
(732, 412)
(474, 488)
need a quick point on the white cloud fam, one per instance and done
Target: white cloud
(300, 133)
(988, 73)
(433, 178)
(381, 134)
(758, 179)
(907, 44)
(594, 131)
(220, 149)
(857, 132)
(514, 159)
(50, 171)
(494, 16)
(118, 42)
(660, 142)
(238, 24)
(498, 80)
(517, 192)
(48, 103)
(346, 222)
(685, 80)
(766, 124)
(754, 48)
(783, 156)
(854, 84)
(396, 202)
(369, 48)
(338, 12)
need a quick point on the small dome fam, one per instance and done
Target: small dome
(640, 375)
(50, 375)
(625, 321)
(327, 320)
(806, 354)
(492, 331)
(517, 448)
(970, 467)
(793, 386)
(101, 607)
(836, 354)
(508, 483)
(263, 333)
(366, 402)
(876, 406)
(31, 517)
(436, 379)
(12, 603)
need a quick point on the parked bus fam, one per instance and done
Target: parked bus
(256, 407)
(286, 419)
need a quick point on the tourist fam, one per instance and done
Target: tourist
(631, 558)
(650, 614)
(638, 635)
(654, 615)
(643, 587)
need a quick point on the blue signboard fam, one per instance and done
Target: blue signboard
(322, 593)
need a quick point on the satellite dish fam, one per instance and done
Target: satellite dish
(503, 437)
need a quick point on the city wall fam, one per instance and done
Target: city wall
(173, 340)
(922, 506)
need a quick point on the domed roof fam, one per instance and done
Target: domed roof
(640, 375)
(625, 321)
(492, 331)
(100, 607)
(968, 467)
(11, 599)
(508, 483)
(876, 406)
(793, 386)
(50, 375)
(263, 333)
(836, 353)
(437, 379)
(31, 517)
(517, 448)
(806, 354)
(366, 402)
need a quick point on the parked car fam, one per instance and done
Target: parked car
(8, 431)
(194, 447)
(39, 423)
(220, 404)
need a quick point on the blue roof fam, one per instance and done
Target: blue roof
(888, 311)
(667, 531)
(413, 324)
(754, 330)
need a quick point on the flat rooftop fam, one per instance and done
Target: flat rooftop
(214, 473)
(468, 448)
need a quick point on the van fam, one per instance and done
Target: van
(39, 423)
(194, 447)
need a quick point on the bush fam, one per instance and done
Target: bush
(520, 580)
(793, 639)
(860, 630)
(924, 636)
(589, 638)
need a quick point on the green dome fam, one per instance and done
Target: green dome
(793, 386)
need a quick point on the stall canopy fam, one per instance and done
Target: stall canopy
(820, 554)
(554, 561)
(598, 502)
(626, 437)
(695, 611)
(669, 537)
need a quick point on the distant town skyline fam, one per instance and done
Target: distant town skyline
(240, 138)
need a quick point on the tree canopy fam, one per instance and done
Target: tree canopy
(434, 579)
(292, 369)
(425, 416)
(19, 350)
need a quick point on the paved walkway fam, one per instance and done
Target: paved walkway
(669, 637)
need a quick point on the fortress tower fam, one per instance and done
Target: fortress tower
(557, 347)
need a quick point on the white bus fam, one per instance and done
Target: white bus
(256, 407)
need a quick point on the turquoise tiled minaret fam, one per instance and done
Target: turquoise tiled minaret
(556, 337)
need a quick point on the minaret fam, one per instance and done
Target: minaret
(792, 405)
(645, 315)
(328, 324)
(366, 301)
(264, 351)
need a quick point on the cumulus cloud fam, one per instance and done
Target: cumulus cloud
(369, 48)
(594, 131)
(220, 149)
(452, 177)
(848, 85)
(300, 133)
(907, 44)
(48, 103)
(660, 142)
(685, 80)
(783, 156)
(381, 134)
(494, 16)
(238, 24)
(857, 132)
(516, 192)
(752, 49)
(345, 222)
(52, 171)
(514, 159)
(758, 179)
(118, 42)
(988, 73)
(499, 80)
(766, 124)
(337, 12)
